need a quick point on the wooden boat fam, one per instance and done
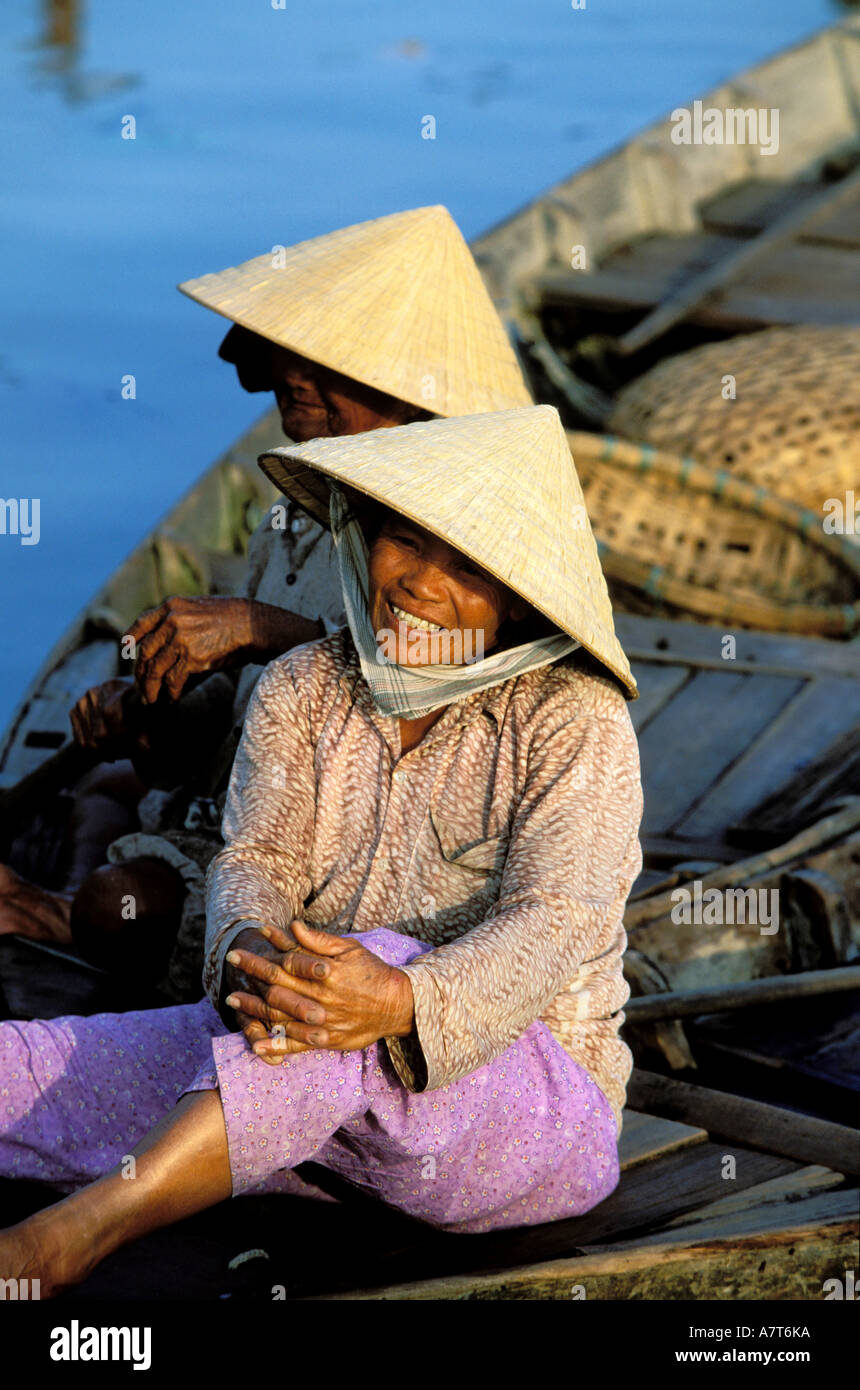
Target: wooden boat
(662, 247)
(749, 752)
(656, 248)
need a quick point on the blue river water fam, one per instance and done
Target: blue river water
(256, 125)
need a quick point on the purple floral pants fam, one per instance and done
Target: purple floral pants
(527, 1139)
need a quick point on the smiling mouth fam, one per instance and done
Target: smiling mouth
(412, 620)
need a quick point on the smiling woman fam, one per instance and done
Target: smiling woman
(406, 560)
(431, 604)
(416, 919)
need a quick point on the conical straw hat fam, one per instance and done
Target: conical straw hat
(397, 303)
(500, 487)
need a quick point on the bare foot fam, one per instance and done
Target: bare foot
(27, 910)
(35, 1251)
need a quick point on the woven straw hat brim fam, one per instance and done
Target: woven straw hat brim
(396, 303)
(501, 487)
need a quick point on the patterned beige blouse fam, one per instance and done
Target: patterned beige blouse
(507, 839)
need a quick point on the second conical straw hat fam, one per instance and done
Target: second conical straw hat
(500, 487)
(397, 303)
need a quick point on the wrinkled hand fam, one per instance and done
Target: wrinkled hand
(331, 993)
(184, 637)
(236, 983)
(98, 719)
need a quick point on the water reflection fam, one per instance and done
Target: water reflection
(58, 65)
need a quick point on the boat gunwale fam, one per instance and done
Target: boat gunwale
(845, 29)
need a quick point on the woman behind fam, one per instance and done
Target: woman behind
(466, 835)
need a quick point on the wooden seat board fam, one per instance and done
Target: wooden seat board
(715, 718)
(700, 644)
(645, 1138)
(773, 1249)
(798, 283)
(749, 207)
(769, 1214)
(657, 685)
(789, 1188)
(803, 731)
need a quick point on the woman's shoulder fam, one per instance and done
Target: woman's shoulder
(571, 709)
(575, 687)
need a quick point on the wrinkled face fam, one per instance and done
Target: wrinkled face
(315, 402)
(429, 604)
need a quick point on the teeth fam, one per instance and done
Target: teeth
(413, 621)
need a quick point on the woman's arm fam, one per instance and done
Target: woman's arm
(263, 873)
(572, 858)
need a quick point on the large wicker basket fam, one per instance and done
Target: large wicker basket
(794, 426)
(680, 538)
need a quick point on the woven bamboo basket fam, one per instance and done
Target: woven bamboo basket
(793, 428)
(680, 538)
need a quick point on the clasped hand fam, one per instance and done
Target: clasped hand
(329, 993)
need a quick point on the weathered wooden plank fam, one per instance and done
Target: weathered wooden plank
(813, 839)
(665, 744)
(799, 283)
(749, 207)
(648, 881)
(759, 1126)
(650, 1193)
(743, 1212)
(842, 229)
(671, 849)
(790, 1260)
(802, 732)
(747, 257)
(668, 256)
(698, 644)
(657, 684)
(815, 1068)
(714, 718)
(836, 774)
(381, 1250)
(716, 998)
(645, 1138)
(828, 1093)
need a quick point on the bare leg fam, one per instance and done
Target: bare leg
(31, 911)
(182, 1167)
